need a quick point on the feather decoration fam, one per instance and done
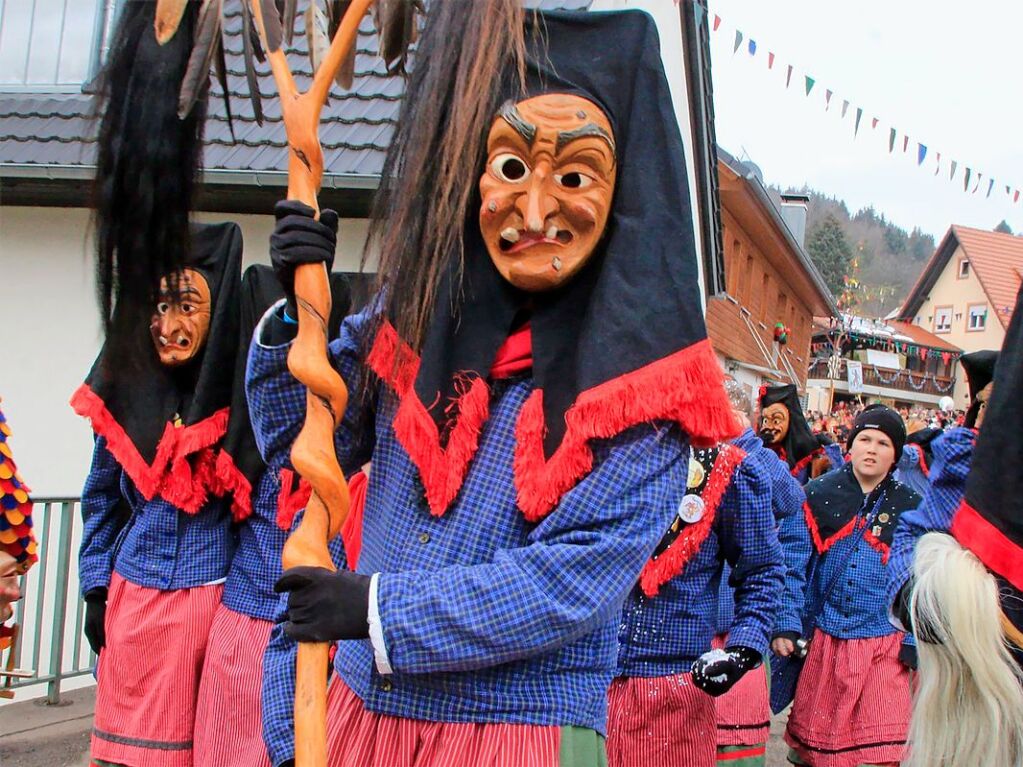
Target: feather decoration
(271, 24)
(168, 18)
(221, 68)
(251, 48)
(207, 38)
(290, 12)
(316, 35)
(336, 10)
(396, 28)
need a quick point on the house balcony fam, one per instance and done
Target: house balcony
(899, 385)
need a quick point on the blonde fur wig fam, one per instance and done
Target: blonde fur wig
(968, 705)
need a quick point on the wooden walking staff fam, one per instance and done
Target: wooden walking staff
(313, 453)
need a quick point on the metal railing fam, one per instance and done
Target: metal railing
(51, 613)
(904, 380)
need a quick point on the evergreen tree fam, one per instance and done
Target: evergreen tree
(831, 252)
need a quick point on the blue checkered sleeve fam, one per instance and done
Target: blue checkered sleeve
(277, 400)
(101, 523)
(749, 542)
(570, 579)
(836, 454)
(798, 551)
(952, 455)
(278, 692)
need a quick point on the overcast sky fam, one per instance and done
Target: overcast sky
(947, 73)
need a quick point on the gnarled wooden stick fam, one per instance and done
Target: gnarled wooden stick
(313, 454)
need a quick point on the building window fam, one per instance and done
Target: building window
(49, 45)
(942, 319)
(964, 268)
(977, 317)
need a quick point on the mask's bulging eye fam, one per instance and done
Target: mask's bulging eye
(509, 167)
(573, 180)
(162, 308)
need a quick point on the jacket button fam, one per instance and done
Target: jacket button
(386, 686)
(424, 537)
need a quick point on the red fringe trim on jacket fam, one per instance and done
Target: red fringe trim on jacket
(230, 479)
(823, 545)
(172, 474)
(672, 560)
(686, 387)
(807, 460)
(289, 502)
(878, 545)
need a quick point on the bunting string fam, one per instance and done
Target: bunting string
(973, 180)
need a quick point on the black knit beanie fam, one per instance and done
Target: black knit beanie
(883, 419)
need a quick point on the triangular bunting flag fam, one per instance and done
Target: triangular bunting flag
(845, 108)
(827, 99)
(990, 186)
(966, 180)
(921, 153)
(873, 124)
(905, 143)
(810, 82)
(752, 47)
(891, 140)
(937, 165)
(738, 40)
(788, 77)
(1015, 197)
(859, 116)
(1008, 190)
(717, 22)
(979, 176)
(770, 60)
(952, 175)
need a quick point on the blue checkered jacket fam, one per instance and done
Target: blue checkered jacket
(787, 498)
(908, 470)
(256, 565)
(486, 617)
(663, 635)
(952, 456)
(855, 607)
(150, 543)
(836, 457)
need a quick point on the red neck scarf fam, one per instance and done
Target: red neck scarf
(515, 355)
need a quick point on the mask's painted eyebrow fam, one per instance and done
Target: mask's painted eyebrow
(585, 131)
(183, 290)
(511, 115)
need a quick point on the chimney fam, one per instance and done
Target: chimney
(793, 213)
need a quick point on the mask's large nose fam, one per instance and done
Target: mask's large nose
(538, 204)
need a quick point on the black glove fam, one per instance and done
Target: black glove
(95, 615)
(324, 605)
(299, 239)
(717, 671)
(907, 656)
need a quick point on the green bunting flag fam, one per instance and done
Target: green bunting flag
(859, 116)
(738, 40)
(891, 141)
(810, 82)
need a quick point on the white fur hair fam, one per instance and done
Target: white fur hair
(968, 705)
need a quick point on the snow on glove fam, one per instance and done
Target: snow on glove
(717, 671)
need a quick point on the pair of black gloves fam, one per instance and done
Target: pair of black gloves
(323, 605)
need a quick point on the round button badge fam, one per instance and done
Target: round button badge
(691, 509)
(696, 473)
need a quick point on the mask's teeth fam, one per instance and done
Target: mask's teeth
(511, 234)
(163, 341)
(556, 263)
(552, 233)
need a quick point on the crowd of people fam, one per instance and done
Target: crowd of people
(571, 540)
(839, 422)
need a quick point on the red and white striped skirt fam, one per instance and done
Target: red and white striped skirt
(852, 703)
(359, 738)
(744, 712)
(148, 673)
(660, 722)
(228, 717)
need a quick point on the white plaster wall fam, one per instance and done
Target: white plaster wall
(51, 332)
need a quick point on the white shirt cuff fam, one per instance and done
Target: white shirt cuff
(376, 629)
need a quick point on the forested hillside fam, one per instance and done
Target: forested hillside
(884, 258)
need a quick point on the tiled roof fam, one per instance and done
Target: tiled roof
(922, 337)
(997, 260)
(56, 130)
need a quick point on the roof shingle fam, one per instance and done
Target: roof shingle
(357, 125)
(997, 260)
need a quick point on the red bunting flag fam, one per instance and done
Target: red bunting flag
(873, 124)
(1015, 197)
(770, 60)
(946, 357)
(923, 353)
(717, 22)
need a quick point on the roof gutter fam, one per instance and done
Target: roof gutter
(212, 176)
